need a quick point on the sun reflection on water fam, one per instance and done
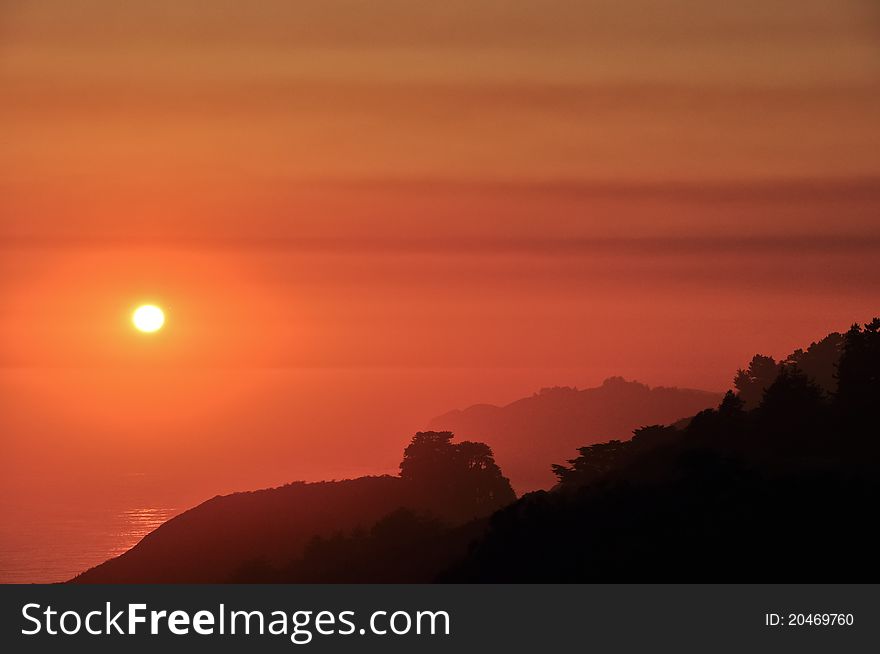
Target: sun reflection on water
(134, 524)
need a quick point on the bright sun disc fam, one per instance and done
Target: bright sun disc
(148, 318)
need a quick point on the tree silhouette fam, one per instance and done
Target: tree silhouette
(819, 361)
(858, 392)
(793, 417)
(754, 380)
(594, 462)
(732, 406)
(458, 479)
(427, 456)
(765, 486)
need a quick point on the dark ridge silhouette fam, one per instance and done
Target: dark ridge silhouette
(402, 547)
(785, 489)
(212, 543)
(533, 431)
(766, 493)
(818, 362)
(729, 494)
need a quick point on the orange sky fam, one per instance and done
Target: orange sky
(360, 215)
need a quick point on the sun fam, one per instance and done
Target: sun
(148, 318)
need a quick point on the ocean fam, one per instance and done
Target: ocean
(53, 540)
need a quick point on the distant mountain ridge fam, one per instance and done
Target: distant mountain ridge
(676, 502)
(529, 434)
(237, 536)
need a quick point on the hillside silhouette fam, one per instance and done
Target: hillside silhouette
(528, 434)
(217, 540)
(771, 493)
(775, 492)
(764, 487)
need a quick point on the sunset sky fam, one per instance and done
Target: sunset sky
(358, 215)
